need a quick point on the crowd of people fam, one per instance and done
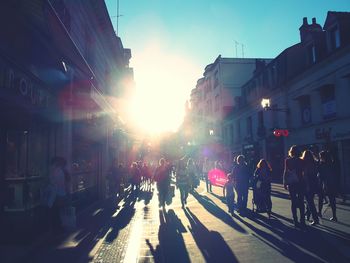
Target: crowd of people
(305, 176)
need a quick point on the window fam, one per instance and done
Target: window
(249, 127)
(335, 38)
(311, 54)
(260, 119)
(305, 109)
(238, 130)
(216, 79)
(327, 94)
(217, 103)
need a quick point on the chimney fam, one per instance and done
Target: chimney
(314, 20)
(303, 29)
(305, 23)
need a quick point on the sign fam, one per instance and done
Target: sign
(279, 133)
(217, 177)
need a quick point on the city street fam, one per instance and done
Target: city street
(136, 230)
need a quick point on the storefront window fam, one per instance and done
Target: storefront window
(37, 153)
(16, 153)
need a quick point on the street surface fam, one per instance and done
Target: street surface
(136, 230)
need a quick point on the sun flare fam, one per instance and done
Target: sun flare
(163, 82)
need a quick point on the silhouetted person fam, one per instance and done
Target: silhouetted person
(241, 175)
(311, 184)
(326, 173)
(182, 181)
(292, 180)
(58, 181)
(162, 178)
(262, 187)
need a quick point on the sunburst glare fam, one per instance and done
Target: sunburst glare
(162, 87)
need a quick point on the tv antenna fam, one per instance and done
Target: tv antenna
(117, 17)
(236, 48)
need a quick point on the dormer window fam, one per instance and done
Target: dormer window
(334, 38)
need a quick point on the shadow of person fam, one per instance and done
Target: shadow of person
(297, 245)
(145, 194)
(215, 210)
(123, 218)
(211, 243)
(171, 247)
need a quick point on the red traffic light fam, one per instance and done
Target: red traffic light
(279, 133)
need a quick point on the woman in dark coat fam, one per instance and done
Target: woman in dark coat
(262, 185)
(295, 184)
(311, 184)
(328, 180)
(162, 178)
(241, 175)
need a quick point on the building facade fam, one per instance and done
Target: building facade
(59, 76)
(308, 87)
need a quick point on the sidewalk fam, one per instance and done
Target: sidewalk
(48, 248)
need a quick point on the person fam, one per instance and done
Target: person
(326, 174)
(135, 174)
(58, 181)
(182, 181)
(146, 174)
(311, 184)
(116, 178)
(241, 175)
(205, 170)
(191, 171)
(229, 193)
(262, 179)
(162, 178)
(292, 181)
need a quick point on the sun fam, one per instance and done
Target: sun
(163, 84)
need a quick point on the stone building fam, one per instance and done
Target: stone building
(59, 76)
(308, 88)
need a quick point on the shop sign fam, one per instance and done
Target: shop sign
(323, 133)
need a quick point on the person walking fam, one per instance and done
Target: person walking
(293, 182)
(192, 174)
(328, 180)
(58, 183)
(262, 179)
(241, 177)
(311, 184)
(182, 181)
(162, 178)
(135, 175)
(205, 170)
(229, 193)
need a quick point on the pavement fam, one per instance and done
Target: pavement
(135, 229)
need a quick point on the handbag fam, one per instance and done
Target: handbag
(291, 177)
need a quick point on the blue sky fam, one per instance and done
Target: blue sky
(195, 32)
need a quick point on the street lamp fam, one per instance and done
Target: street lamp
(266, 105)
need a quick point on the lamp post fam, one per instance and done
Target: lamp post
(266, 105)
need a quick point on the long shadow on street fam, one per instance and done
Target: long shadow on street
(215, 210)
(93, 227)
(171, 247)
(308, 245)
(211, 243)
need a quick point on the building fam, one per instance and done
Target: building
(308, 87)
(59, 74)
(213, 100)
